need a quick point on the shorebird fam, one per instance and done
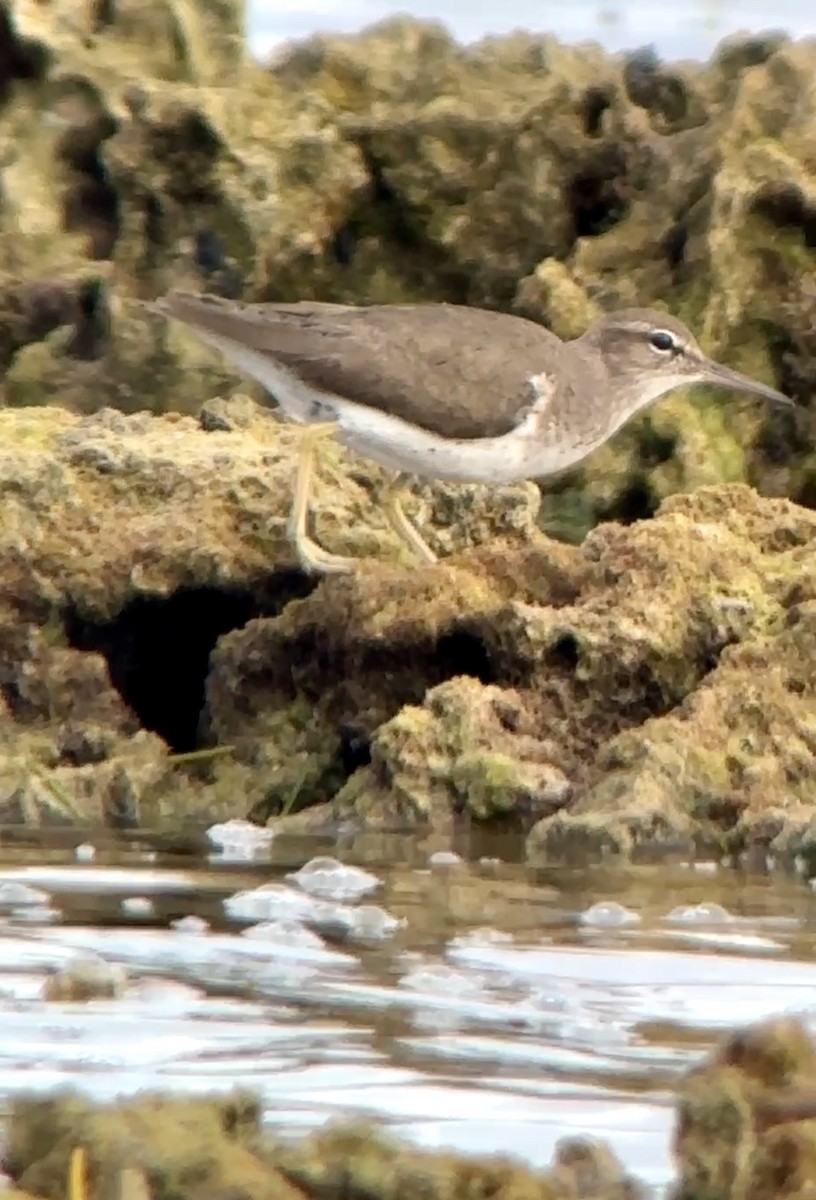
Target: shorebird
(445, 391)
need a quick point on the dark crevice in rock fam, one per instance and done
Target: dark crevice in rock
(383, 194)
(218, 275)
(674, 246)
(91, 206)
(595, 196)
(342, 246)
(596, 102)
(463, 652)
(158, 650)
(208, 252)
(103, 15)
(315, 664)
(154, 226)
(355, 748)
(640, 696)
(367, 682)
(711, 658)
(785, 207)
(31, 310)
(91, 335)
(777, 438)
(636, 502)
(806, 494)
(565, 654)
(188, 148)
(154, 222)
(655, 447)
(794, 367)
(652, 86)
(22, 59)
(785, 435)
(90, 202)
(400, 228)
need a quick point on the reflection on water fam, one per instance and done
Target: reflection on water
(472, 1005)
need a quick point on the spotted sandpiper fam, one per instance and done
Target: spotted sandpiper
(448, 392)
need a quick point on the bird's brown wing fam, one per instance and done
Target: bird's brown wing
(458, 372)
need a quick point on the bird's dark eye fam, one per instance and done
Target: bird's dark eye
(662, 340)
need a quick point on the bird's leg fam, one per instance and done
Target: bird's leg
(313, 558)
(400, 523)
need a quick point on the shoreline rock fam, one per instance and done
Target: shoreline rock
(651, 687)
(645, 679)
(744, 1127)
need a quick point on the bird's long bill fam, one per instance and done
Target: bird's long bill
(716, 373)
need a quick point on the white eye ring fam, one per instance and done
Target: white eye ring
(663, 342)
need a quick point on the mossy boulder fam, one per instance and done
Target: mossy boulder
(162, 1146)
(128, 546)
(650, 688)
(746, 1121)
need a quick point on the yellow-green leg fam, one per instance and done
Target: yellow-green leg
(313, 558)
(400, 523)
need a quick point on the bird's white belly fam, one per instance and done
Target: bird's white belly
(296, 399)
(399, 446)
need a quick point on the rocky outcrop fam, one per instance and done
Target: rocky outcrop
(161, 1145)
(746, 1120)
(560, 181)
(397, 165)
(128, 545)
(653, 686)
(134, 161)
(162, 655)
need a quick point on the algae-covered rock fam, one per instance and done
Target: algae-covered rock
(362, 1161)
(561, 181)
(192, 1149)
(653, 687)
(128, 545)
(143, 147)
(745, 1128)
(722, 757)
(304, 693)
(605, 693)
(140, 150)
(85, 978)
(746, 1122)
(468, 748)
(732, 766)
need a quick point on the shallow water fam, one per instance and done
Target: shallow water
(480, 1005)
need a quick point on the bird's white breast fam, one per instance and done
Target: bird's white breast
(530, 450)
